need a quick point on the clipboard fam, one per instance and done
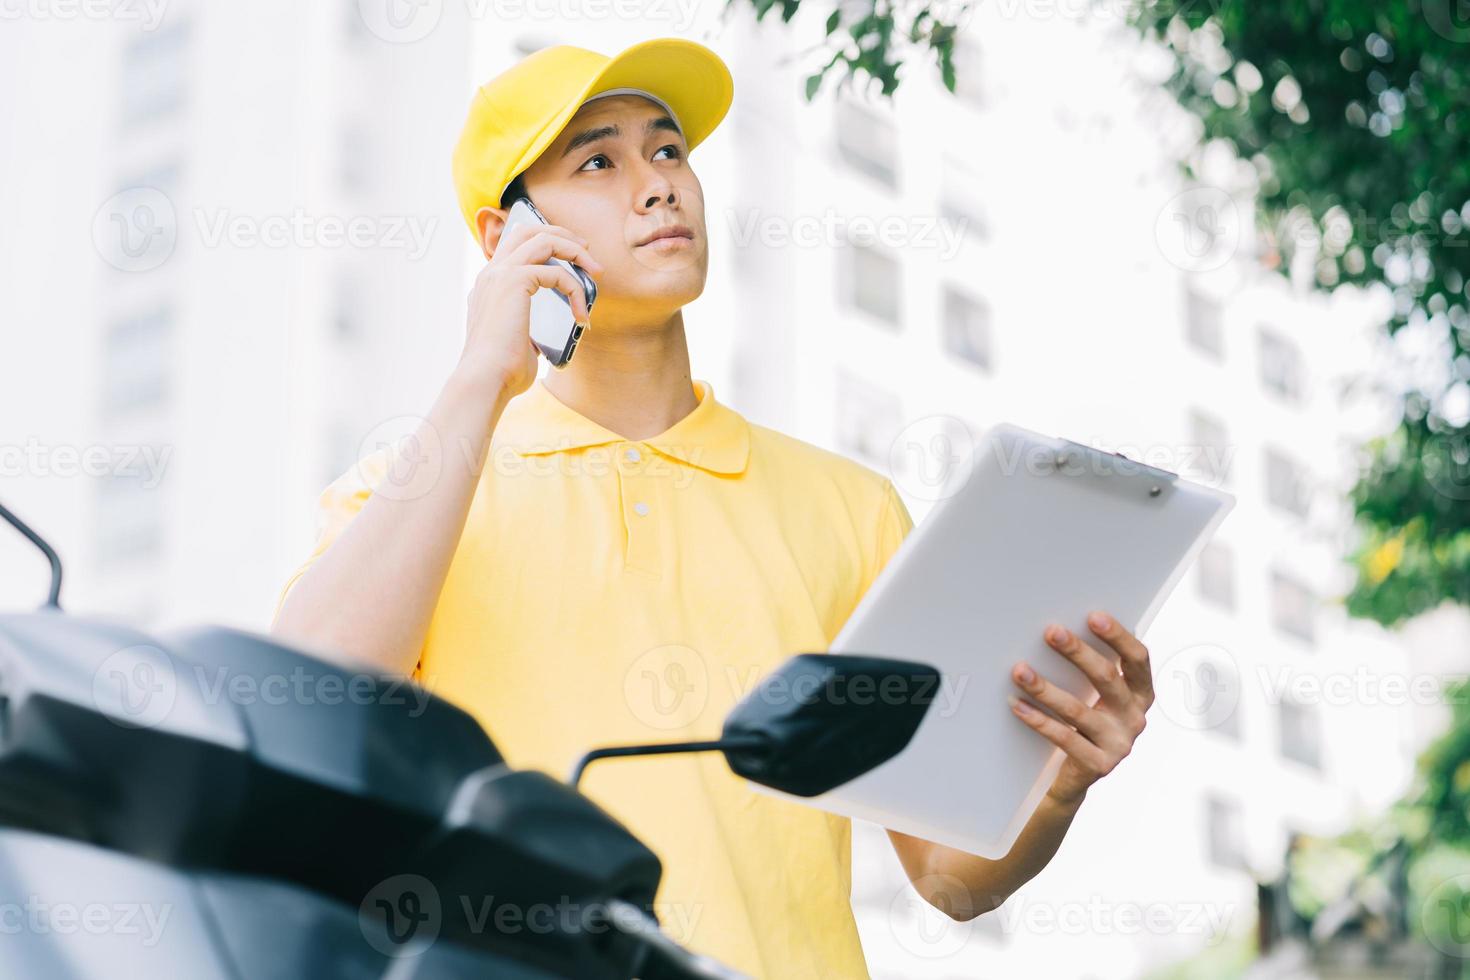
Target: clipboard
(1043, 529)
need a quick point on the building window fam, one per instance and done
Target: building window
(347, 308)
(138, 230)
(869, 418)
(137, 362)
(964, 218)
(1209, 444)
(1205, 324)
(867, 141)
(959, 204)
(1281, 365)
(1287, 486)
(1225, 823)
(355, 157)
(872, 281)
(1293, 607)
(967, 327)
(1301, 733)
(1217, 575)
(1222, 677)
(154, 66)
(344, 446)
(129, 518)
(356, 30)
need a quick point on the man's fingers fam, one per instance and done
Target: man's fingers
(555, 277)
(543, 247)
(1099, 669)
(1069, 740)
(1063, 704)
(1132, 654)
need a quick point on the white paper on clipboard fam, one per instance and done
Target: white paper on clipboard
(1043, 530)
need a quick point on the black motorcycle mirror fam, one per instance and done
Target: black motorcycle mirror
(816, 722)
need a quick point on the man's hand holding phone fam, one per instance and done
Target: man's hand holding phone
(497, 336)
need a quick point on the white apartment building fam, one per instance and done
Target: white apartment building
(243, 256)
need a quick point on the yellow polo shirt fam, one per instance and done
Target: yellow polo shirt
(609, 591)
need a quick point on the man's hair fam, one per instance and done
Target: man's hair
(514, 190)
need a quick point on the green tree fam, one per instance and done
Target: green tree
(872, 40)
(1356, 116)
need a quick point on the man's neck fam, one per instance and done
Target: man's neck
(632, 382)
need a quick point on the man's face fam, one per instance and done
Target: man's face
(617, 173)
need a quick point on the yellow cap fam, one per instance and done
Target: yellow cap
(520, 112)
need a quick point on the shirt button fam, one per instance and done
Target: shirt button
(641, 508)
(632, 455)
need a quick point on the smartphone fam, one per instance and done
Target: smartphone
(554, 327)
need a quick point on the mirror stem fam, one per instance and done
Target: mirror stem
(53, 599)
(744, 742)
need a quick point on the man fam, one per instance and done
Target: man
(610, 555)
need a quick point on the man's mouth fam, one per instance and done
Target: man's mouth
(667, 232)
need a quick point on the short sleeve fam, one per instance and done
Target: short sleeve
(883, 533)
(337, 505)
(894, 525)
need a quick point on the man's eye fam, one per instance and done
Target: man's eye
(603, 156)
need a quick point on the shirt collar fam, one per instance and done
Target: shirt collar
(713, 436)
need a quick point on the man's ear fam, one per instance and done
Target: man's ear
(490, 222)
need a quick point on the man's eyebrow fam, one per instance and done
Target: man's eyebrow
(603, 132)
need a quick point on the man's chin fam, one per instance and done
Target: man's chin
(650, 305)
(659, 290)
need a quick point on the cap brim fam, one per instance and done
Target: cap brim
(688, 76)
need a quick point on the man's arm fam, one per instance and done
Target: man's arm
(1095, 739)
(371, 594)
(963, 885)
(369, 597)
